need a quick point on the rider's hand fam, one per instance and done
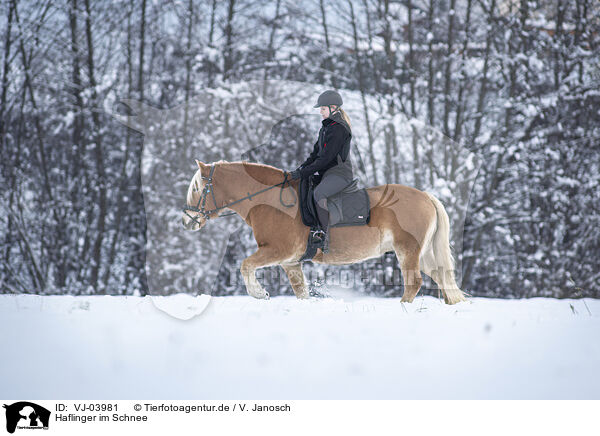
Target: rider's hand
(295, 174)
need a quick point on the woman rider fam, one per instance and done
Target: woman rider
(330, 158)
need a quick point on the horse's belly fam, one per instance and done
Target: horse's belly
(356, 243)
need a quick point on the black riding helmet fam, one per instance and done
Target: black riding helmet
(329, 98)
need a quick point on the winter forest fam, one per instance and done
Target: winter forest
(515, 84)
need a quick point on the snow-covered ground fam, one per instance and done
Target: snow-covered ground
(107, 347)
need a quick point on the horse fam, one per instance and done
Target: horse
(411, 223)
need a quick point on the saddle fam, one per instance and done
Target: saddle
(349, 207)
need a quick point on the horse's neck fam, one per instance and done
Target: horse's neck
(238, 179)
(241, 175)
(264, 174)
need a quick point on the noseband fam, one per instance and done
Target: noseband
(208, 188)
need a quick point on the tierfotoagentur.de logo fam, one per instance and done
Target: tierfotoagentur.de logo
(26, 415)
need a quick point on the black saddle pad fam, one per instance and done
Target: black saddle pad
(349, 207)
(308, 207)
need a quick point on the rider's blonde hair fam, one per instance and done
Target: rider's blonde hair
(344, 115)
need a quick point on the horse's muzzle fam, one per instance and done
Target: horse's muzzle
(190, 224)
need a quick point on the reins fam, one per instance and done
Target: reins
(208, 188)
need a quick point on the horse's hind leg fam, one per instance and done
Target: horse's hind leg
(265, 256)
(296, 277)
(411, 273)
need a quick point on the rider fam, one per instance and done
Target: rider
(330, 158)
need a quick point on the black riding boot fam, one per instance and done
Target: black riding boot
(324, 220)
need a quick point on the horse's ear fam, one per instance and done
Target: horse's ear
(204, 168)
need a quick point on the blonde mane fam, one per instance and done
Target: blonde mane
(194, 186)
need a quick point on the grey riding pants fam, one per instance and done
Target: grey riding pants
(330, 184)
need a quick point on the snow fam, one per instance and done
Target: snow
(349, 346)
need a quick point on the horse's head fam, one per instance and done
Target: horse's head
(192, 218)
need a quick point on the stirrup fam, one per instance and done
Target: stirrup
(313, 243)
(318, 235)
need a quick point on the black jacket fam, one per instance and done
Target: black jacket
(334, 138)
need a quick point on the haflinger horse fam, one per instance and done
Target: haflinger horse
(405, 220)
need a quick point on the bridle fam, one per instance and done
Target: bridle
(208, 188)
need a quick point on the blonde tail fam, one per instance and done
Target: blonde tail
(438, 262)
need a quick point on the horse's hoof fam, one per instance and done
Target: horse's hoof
(316, 294)
(267, 296)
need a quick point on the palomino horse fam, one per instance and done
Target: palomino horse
(412, 223)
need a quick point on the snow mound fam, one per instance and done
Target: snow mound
(181, 306)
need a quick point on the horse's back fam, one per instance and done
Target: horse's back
(384, 195)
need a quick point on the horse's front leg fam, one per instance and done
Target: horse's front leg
(296, 277)
(265, 256)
